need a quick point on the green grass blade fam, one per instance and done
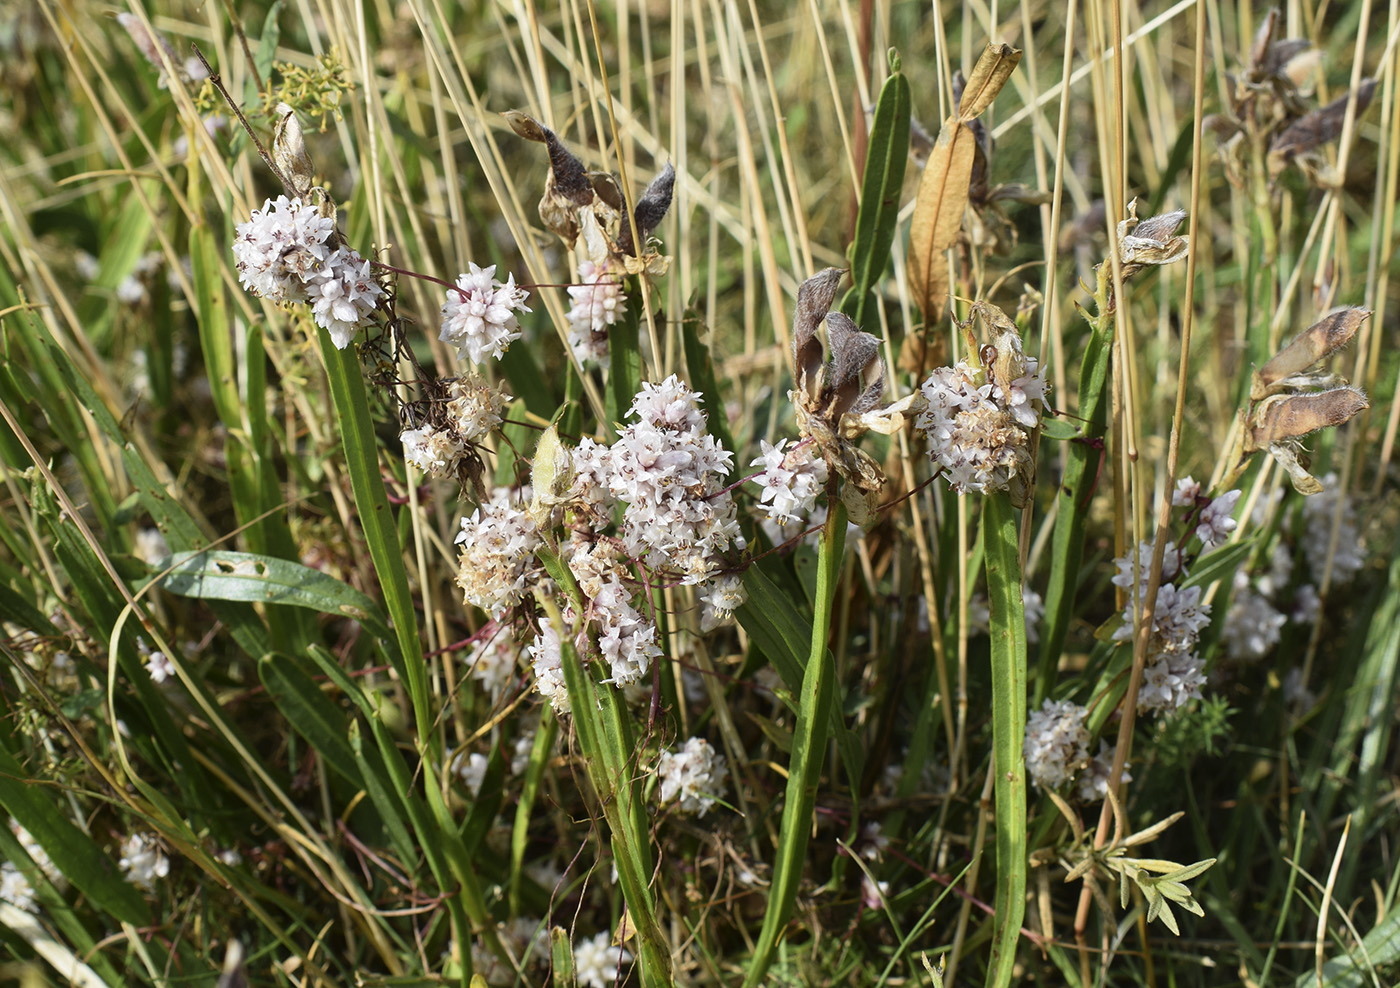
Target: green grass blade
(1009, 684)
(1085, 457)
(808, 751)
(309, 712)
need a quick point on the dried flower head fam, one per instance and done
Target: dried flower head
(1150, 241)
(579, 203)
(837, 400)
(289, 151)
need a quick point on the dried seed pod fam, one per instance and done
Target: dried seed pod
(650, 211)
(836, 401)
(1279, 418)
(568, 187)
(1319, 341)
(1150, 241)
(1311, 131)
(289, 151)
(814, 299)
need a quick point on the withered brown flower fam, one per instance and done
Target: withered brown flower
(837, 400)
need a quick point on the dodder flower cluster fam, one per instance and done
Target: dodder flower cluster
(478, 317)
(691, 776)
(498, 543)
(1174, 673)
(979, 417)
(288, 251)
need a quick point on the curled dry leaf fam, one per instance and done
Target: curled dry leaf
(943, 188)
(1319, 341)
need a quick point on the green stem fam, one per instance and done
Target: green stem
(1084, 462)
(610, 751)
(1009, 673)
(808, 749)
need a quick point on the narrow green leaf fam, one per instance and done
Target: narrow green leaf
(625, 358)
(1077, 486)
(808, 752)
(379, 787)
(1219, 564)
(886, 156)
(377, 520)
(701, 367)
(529, 792)
(486, 804)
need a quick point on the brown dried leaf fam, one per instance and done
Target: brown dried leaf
(1319, 341)
(988, 77)
(938, 215)
(1314, 129)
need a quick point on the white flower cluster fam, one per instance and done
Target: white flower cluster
(692, 776)
(15, 888)
(628, 640)
(288, 252)
(1318, 514)
(597, 963)
(158, 664)
(1093, 781)
(670, 473)
(1215, 523)
(978, 431)
(478, 317)
(679, 520)
(598, 302)
(791, 480)
(1253, 626)
(435, 452)
(1057, 743)
(1174, 673)
(492, 662)
(474, 410)
(143, 861)
(548, 666)
(498, 543)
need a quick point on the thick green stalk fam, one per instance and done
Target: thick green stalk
(808, 749)
(1009, 684)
